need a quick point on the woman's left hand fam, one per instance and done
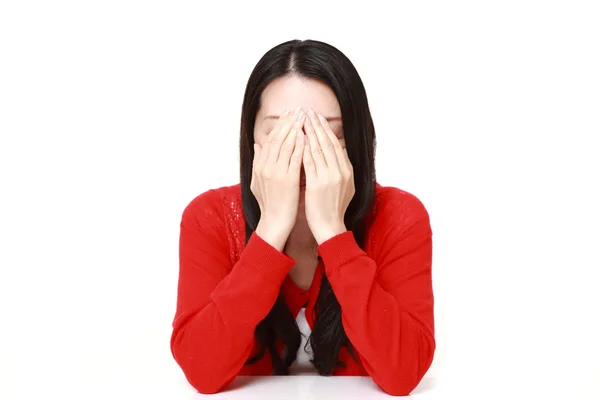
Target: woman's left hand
(329, 179)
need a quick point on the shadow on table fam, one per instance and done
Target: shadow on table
(244, 381)
(426, 384)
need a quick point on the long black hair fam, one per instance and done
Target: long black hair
(313, 60)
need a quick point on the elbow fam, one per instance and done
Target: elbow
(400, 391)
(400, 387)
(404, 378)
(206, 381)
(200, 373)
(206, 386)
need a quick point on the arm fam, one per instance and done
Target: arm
(387, 303)
(219, 305)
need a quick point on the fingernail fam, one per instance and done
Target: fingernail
(311, 112)
(300, 115)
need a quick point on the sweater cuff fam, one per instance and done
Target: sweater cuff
(266, 260)
(339, 250)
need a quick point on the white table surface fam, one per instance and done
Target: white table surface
(165, 381)
(170, 386)
(301, 387)
(309, 388)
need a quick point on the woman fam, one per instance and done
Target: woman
(308, 263)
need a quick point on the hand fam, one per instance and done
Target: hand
(276, 178)
(329, 179)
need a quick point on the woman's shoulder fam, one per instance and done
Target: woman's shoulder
(210, 203)
(398, 206)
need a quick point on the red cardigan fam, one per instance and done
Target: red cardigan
(226, 288)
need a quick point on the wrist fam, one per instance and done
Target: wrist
(272, 234)
(327, 232)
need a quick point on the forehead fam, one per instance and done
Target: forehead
(291, 91)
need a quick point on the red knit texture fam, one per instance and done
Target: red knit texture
(227, 287)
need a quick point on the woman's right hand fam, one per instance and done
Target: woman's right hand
(276, 178)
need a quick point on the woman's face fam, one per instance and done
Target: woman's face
(289, 92)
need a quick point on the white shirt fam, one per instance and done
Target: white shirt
(302, 363)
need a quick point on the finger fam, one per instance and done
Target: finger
(275, 133)
(324, 142)
(314, 147)
(255, 161)
(296, 159)
(285, 124)
(287, 147)
(259, 156)
(335, 142)
(256, 155)
(348, 163)
(280, 121)
(308, 162)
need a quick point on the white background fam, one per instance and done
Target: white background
(115, 114)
